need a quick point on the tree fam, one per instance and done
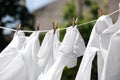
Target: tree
(12, 13)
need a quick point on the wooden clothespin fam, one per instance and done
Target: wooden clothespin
(74, 21)
(37, 25)
(55, 26)
(100, 12)
(18, 27)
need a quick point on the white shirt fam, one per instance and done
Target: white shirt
(93, 46)
(112, 64)
(111, 69)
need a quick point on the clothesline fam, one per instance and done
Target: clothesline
(62, 28)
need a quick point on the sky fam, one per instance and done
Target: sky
(33, 5)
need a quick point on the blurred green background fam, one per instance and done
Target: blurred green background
(14, 12)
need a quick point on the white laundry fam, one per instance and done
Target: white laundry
(8, 54)
(112, 64)
(24, 65)
(15, 70)
(17, 42)
(55, 48)
(29, 55)
(93, 47)
(45, 54)
(68, 54)
(103, 42)
(50, 59)
(12, 61)
(111, 67)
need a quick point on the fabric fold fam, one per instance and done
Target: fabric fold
(93, 47)
(66, 57)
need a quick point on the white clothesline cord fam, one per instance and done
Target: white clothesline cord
(33, 31)
(114, 12)
(7, 28)
(61, 28)
(22, 30)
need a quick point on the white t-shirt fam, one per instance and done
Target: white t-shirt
(93, 47)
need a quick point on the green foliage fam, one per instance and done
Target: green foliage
(94, 10)
(42, 35)
(69, 10)
(87, 2)
(17, 11)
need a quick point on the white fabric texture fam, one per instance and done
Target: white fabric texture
(8, 54)
(29, 55)
(48, 51)
(24, 65)
(103, 42)
(93, 47)
(17, 42)
(46, 54)
(67, 54)
(111, 69)
(55, 43)
(54, 48)
(15, 70)
(112, 64)
(13, 62)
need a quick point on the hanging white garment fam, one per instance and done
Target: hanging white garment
(13, 63)
(24, 65)
(93, 47)
(112, 64)
(15, 70)
(67, 54)
(29, 55)
(45, 54)
(17, 42)
(112, 67)
(103, 43)
(55, 48)
(52, 50)
(8, 54)
(111, 30)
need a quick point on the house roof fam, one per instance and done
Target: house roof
(33, 5)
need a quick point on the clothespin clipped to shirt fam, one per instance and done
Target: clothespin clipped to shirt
(55, 26)
(74, 21)
(18, 28)
(37, 25)
(100, 12)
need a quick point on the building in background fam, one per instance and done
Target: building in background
(112, 6)
(48, 11)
